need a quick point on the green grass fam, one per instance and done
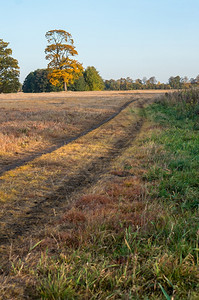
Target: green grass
(174, 175)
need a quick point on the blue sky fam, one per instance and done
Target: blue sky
(120, 38)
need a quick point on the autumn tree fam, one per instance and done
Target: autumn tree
(62, 69)
(9, 70)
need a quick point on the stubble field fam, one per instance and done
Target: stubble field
(87, 188)
(34, 122)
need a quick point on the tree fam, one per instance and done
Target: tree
(152, 80)
(28, 85)
(175, 82)
(38, 82)
(129, 83)
(79, 85)
(112, 85)
(197, 79)
(9, 70)
(122, 83)
(185, 83)
(144, 80)
(62, 69)
(138, 84)
(93, 79)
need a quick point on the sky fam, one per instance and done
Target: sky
(120, 38)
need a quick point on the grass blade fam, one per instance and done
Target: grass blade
(164, 292)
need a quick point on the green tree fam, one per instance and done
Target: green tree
(79, 85)
(62, 69)
(175, 82)
(38, 82)
(122, 82)
(93, 79)
(185, 83)
(29, 84)
(137, 85)
(9, 70)
(112, 85)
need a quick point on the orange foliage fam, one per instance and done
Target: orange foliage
(68, 72)
(62, 69)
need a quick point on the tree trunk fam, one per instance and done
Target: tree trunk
(65, 87)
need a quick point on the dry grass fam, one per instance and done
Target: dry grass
(32, 122)
(44, 175)
(100, 237)
(104, 211)
(29, 122)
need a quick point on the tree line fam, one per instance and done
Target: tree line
(174, 82)
(63, 72)
(38, 81)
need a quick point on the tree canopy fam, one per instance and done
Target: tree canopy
(89, 81)
(93, 79)
(38, 82)
(9, 70)
(62, 69)
(175, 82)
(79, 84)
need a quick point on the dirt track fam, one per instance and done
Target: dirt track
(89, 174)
(31, 215)
(29, 158)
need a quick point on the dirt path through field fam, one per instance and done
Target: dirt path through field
(30, 157)
(82, 161)
(41, 212)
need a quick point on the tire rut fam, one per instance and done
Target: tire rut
(42, 211)
(37, 154)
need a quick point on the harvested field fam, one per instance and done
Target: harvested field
(38, 193)
(25, 190)
(32, 124)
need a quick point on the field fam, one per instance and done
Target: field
(99, 200)
(37, 122)
(33, 123)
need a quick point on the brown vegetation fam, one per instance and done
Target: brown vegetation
(85, 195)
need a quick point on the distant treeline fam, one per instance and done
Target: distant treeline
(37, 82)
(176, 82)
